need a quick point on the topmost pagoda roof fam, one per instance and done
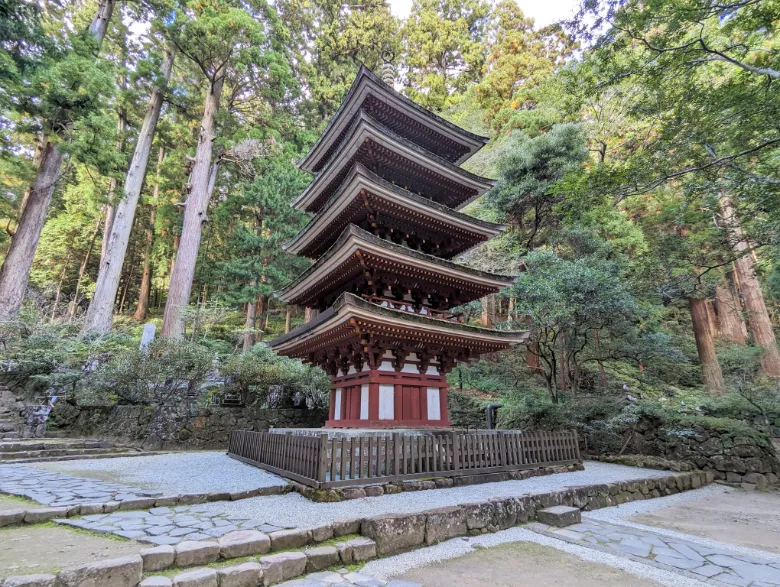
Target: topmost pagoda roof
(399, 114)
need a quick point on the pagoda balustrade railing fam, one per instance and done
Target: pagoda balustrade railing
(360, 459)
(412, 308)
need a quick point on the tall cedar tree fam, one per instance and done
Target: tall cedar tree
(63, 91)
(231, 43)
(101, 308)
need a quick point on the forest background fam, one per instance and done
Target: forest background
(147, 158)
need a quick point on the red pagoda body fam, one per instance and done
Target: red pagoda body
(385, 198)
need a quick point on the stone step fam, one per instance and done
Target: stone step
(8, 435)
(60, 452)
(111, 455)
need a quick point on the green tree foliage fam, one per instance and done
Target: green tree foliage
(527, 193)
(580, 310)
(332, 39)
(444, 50)
(702, 74)
(520, 60)
(254, 263)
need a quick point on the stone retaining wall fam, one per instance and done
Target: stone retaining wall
(399, 532)
(732, 452)
(174, 426)
(346, 493)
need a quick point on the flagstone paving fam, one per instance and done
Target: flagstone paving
(689, 557)
(59, 489)
(345, 578)
(168, 525)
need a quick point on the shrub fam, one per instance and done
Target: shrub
(261, 377)
(39, 357)
(465, 410)
(166, 372)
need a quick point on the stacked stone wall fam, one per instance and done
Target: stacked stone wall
(731, 450)
(163, 427)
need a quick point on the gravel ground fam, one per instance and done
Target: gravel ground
(294, 510)
(397, 565)
(173, 473)
(621, 515)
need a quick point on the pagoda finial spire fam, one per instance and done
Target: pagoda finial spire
(388, 70)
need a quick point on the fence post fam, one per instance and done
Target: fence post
(576, 443)
(455, 451)
(396, 445)
(322, 465)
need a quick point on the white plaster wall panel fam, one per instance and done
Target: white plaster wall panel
(364, 401)
(434, 404)
(337, 407)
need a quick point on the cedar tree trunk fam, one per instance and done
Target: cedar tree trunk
(15, 272)
(249, 325)
(729, 315)
(488, 311)
(757, 315)
(99, 24)
(705, 346)
(101, 310)
(194, 217)
(146, 279)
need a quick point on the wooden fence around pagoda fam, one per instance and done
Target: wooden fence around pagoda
(320, 461)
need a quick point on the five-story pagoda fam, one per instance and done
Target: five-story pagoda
(385, 198)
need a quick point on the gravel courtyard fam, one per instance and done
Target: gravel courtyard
(172, 473)
(537, 565)
(743, 518)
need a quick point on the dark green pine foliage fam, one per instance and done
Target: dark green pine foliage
(256, 220)
(527, 194)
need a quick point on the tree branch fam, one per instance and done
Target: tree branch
(714, 163)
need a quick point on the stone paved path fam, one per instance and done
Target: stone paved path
(345, 578)
(59, 489)
(164, 525)
(696, 560)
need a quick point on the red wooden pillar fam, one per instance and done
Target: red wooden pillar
(373, 401)
(398, 399)
(444, 407)
(354, 402)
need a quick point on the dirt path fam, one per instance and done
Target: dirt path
(520, 564)
(745, 518)
(9, 502)
(48, 548)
